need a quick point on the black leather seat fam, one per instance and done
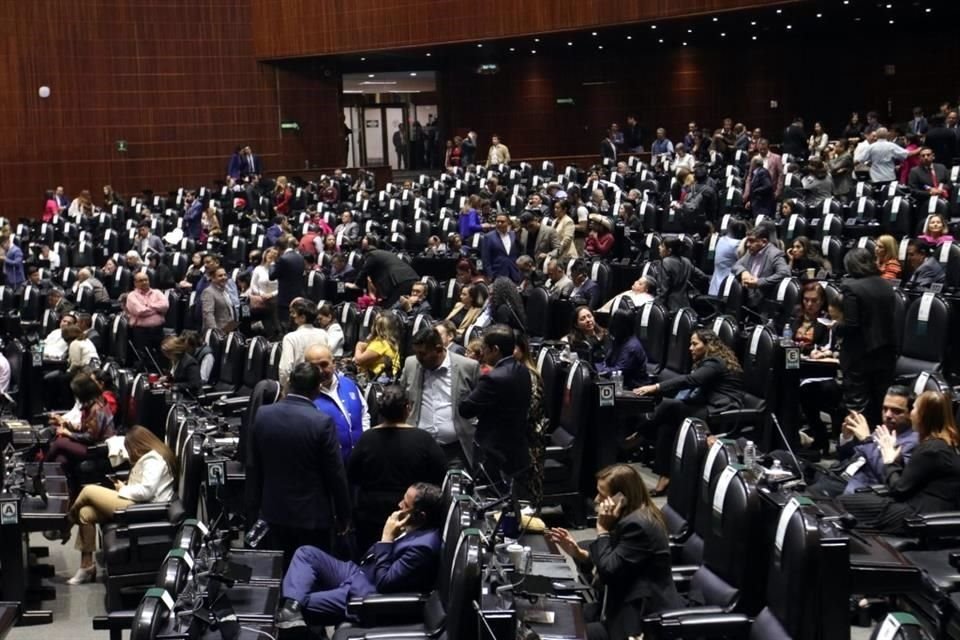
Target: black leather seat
(537, 309)
(678, 362)
(925, 331)
(652, 328)
(685, 470)
(759, 382)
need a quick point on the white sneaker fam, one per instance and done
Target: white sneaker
(83, 576)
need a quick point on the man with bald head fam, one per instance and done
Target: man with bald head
(85, 278)
(882, 156)
(339, 398)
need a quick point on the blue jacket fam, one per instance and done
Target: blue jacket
(13, 267)
(409, 564)
(496, 261)
(468, 224)
(631, 359)
(194, 218)
(348, 431)
(724, 257)
(873, 471)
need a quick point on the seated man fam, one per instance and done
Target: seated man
(407, 558)
(762, 268)
(926, 270)
(859, 463)
(640, 293)
(416, 303)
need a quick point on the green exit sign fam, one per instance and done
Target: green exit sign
(121, 145)
(291, 126)
(565, 101)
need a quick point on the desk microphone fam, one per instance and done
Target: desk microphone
(786, 443)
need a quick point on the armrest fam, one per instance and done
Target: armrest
(146, 512)
(381, 609)
(935, 525)
(879, 489)
(680, 613)
(698, 625)
(736, 415)
(233, 405)
(120, 620)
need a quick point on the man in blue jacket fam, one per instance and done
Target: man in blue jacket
(339, 398)
(12, 263)
(406, 559)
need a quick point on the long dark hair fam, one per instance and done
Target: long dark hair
(503, 292)
(140, 441)
(624, 479)
(717, 349)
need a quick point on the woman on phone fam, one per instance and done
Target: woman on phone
(150, 480)
(630, 556)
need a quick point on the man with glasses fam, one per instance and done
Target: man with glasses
(146, 311)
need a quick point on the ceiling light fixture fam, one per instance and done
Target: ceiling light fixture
(536, 39)
(533, 51)
(600, 47)
(569, 44)
(723, 35)
(513, 48)
(429, 54)
(754, 37)
(480, 46)
(653, 26)
(363, 59)
(371, 75)
(661, 40)
(789, 26)
(594, 34)
(779, 11)
(629, 37)
(684, 44)
(819, 15)
(689, 30)
(715, 19)
(413, 74)
(753, 23)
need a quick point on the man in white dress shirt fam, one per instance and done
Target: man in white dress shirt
(302, 315)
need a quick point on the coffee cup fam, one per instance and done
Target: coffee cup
(811, 274)
(515, 553)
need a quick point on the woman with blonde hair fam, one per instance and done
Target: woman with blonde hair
(380, 348)
(886, 254)
(630, 555)
(151, 480)
(926, 483)
(184, 368)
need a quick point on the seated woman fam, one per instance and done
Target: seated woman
(600, 237)
(327, 320)
(184, 368)
(808, 332)
(935, 231)
(630, 556)
(151, 480)
(201, 352)
(929, 482)
(380, 348)
(714, 385)
(385, 461)
(473, 298)
(885, 251)
(625, 352)
(587, 339)
(95, 425)
(804, 255)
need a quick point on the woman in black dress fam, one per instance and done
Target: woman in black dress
(927, 483)
(385, 461)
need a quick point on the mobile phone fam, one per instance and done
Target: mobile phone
(619, 500)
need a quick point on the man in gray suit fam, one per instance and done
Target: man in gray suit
(436, 381)
(147, 242)
(217, 307)
(536, 239)
(761, 269)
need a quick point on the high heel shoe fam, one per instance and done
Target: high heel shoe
(84, 575)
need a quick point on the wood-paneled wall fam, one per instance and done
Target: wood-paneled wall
(176, 79)
(295, 28)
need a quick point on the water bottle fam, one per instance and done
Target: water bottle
(257, 532)
(617, 381)
(750, 455)
(787, 339)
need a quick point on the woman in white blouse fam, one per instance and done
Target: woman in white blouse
(263, 292)
(151, 480)
(818, 140)
(327, 320)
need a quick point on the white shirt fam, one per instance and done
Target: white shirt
(54, 259)
(505, 239)
(334, 397)
(54, 346)
(638, 299)
(150, 480)
(295, 344)
(436, 403)
(4, 373)
(261, 284)
(81, 353)
(686, 162)
(335, 339)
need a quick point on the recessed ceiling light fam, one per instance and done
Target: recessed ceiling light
(856, 19)
(594, 34)
(723, 35)
(889, 6)
(754, 37)
(684, 44)
(569, 44)
(533, 50)
(371, 75)
(716, 19)
(846, 1)
(689, 30)
(789, 26)
(891, 22)
(753, 23)
(513, 48)
(600, 47)
(363, 59)
(536, 39)
(661, 40)
(653, 26)
(779, 11)
(629, 37)
(413, 74)
(928, 10)
(819, 15)
(480, 46)
(429, 54)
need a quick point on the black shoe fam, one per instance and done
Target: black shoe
(289, 616)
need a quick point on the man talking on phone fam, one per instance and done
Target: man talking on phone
(318, 586)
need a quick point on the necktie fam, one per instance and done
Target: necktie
(933, 176)
(250, 161)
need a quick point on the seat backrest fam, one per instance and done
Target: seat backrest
(350, 323)
(731, 294)
(152, 616)
(464, 587)
(682, 325)
(897, 215)
(264, 392)
(233, 359)
(726, 329)
(758, 362)
(450, 296)
(118, 342)
(652, 330)
(689, 450)
(577, 399)
(537, 305)
(191, 474)
(548, 364)
(948, 255)
(255, 364)
(722, 454)
(926, 329)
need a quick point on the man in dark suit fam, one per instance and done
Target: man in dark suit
(762, 268)
(942, 140)
(295, 469)
(585, 290)
(250, 165)
(608, 150)
(390, 276)
(62, 200)
(500, 251)
(288, 272)
(869, 355)
(468, 149)
(925, 270)
(537, 240)
(928, 179)
(405, 560)
(918, 124)
(500, 403)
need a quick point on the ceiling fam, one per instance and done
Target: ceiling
(374, 81)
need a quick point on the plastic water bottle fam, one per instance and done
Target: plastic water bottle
(617, 381)
(787, 339)
(750, 455)
(257, 532)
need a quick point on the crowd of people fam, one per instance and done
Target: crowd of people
(468, 392)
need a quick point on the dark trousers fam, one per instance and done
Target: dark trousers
(289, 539)
(453, 452)
(57, 390)
(816, 396)
(316, 580)
(865, 385)
(667, 418)
(68, 454)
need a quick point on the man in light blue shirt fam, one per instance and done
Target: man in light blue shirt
(882, 156)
